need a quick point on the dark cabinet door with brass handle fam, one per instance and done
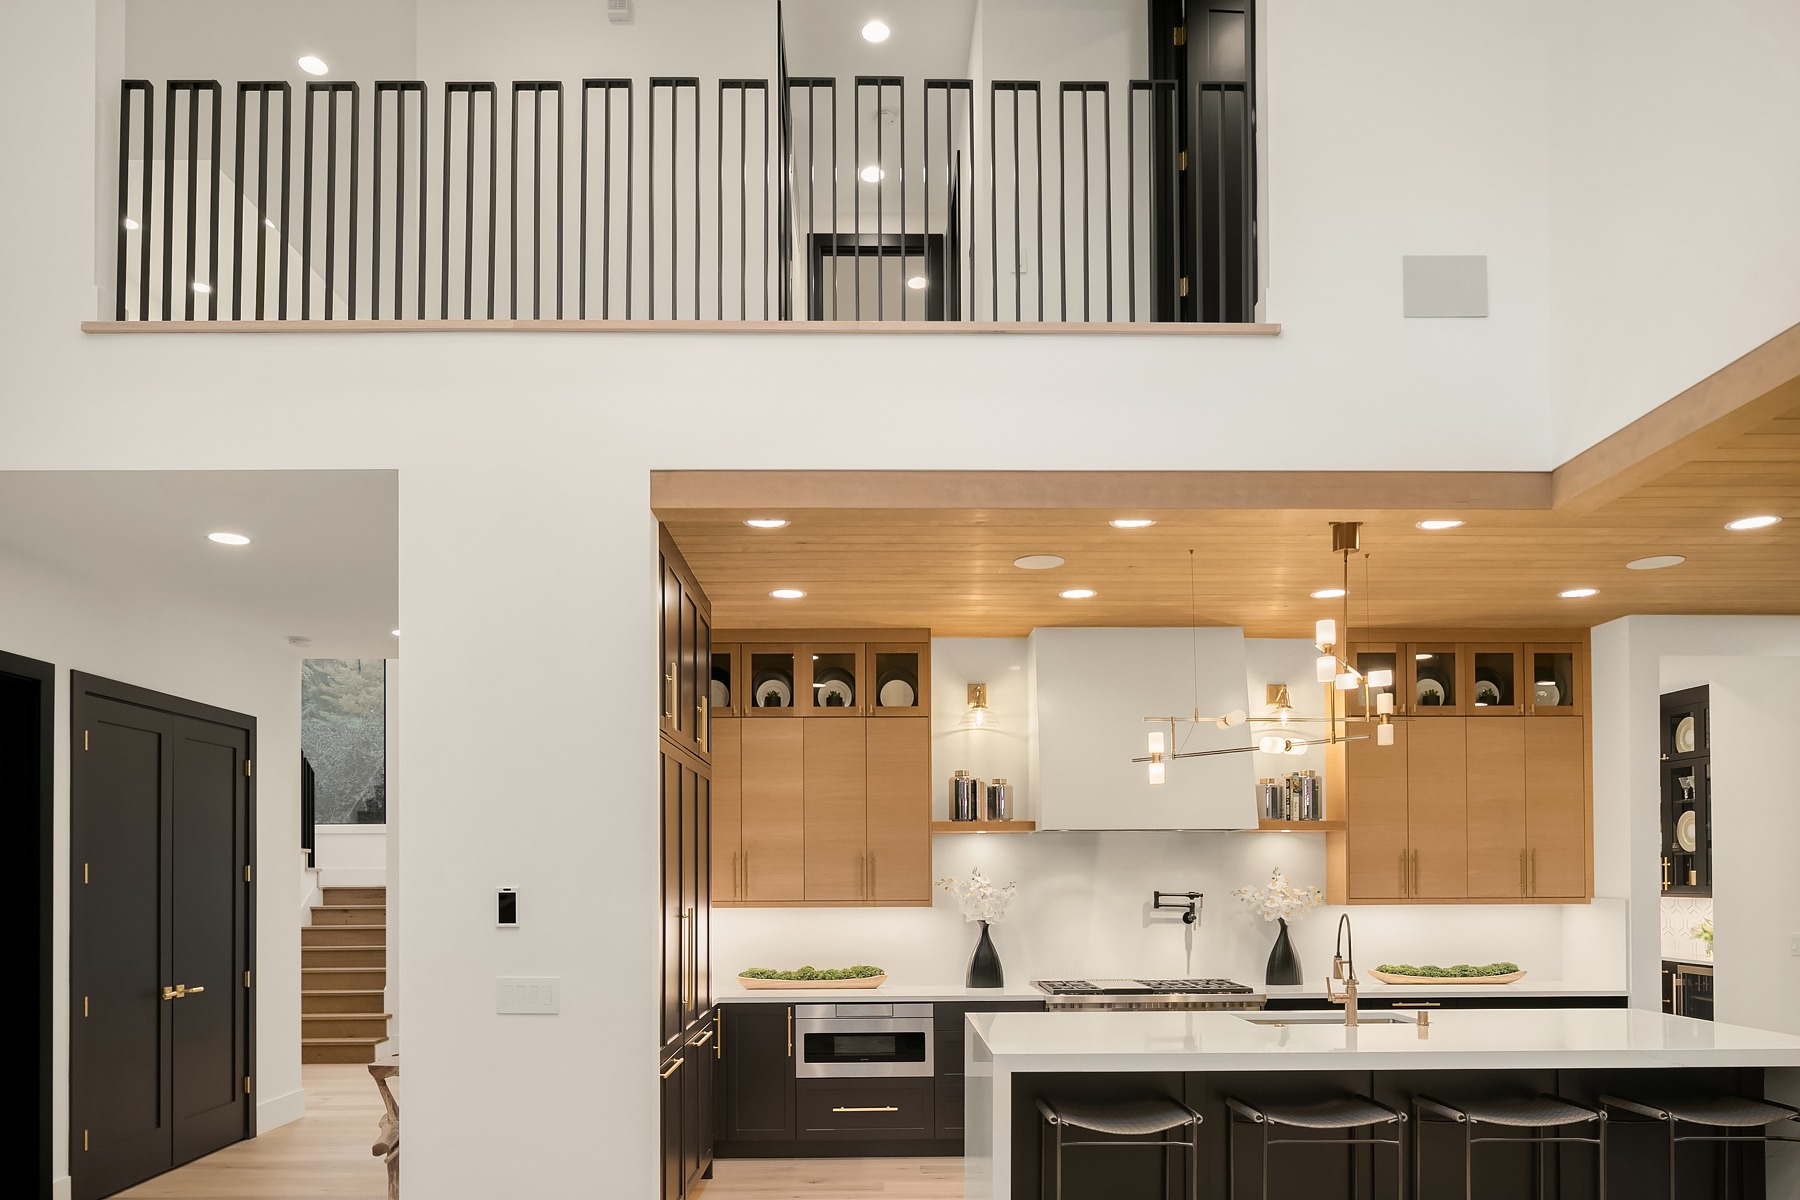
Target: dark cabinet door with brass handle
(864, 1109)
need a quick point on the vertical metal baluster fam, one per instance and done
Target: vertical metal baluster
(262, 200)
(1173, 116)
(650, 214)
(581, 208)
(493, 281)
(719, 190)
(900, 83)
(537, 201)
(1131, 201)
(994, 197)
(1087, 224)
(212, 209)
(444, 219)
(330, 201)
(1062, 193)
(237, 207)
(399, 207)
(606, 210)
(1106, 182)
(974, 222)
(168, 266)
(856, 194)
(559, 201)
(834, 197)
(925, 181)
(1037, 108)
(424, 177)
(765, 201)
(697, 205)
(120, 240)
(287, 187)
(375, 259)
(880, 208)
(1018, 186)
(355, 166)
(513, 208)
(146, 198)
(630, 187)
(193, 199)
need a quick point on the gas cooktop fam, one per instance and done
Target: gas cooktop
(1123, 994)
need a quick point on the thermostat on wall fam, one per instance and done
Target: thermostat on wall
(506, 908)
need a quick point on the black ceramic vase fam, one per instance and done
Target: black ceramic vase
(984, 966)
(1284, 964)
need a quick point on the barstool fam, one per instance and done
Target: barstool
(1355, 1113)
(1715, 1112)
(1538, 1114)
(1126, 1118)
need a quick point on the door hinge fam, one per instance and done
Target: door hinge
(246, 1085)
(247, 865)
(246, 979)
(247, 771)
(1183, 166)
(1184, 285)
(84, 739)
(1181, 35)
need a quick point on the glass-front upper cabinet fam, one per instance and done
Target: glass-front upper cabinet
(1373, 659)
(768, 681)
(1494, 680)
(1434, 683)
(835, 682)
(901, 675)
(721, 691)
(1555, 687)
(1685, 727)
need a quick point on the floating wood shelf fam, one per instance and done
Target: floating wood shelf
(983, 826)
(1265, 825)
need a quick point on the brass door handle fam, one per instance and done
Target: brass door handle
(673, 1067)
(871, 875)
(1522, 885)
(702, 1039)
(1665, 874)
(700, 730)
(174, 993)
(790, 1031)
(195, 991)
(880, 1108)
(669, 690)
(719, 1024)
(1403, 892)
(687, 914)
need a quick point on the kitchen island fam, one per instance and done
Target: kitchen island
(1199, 1057)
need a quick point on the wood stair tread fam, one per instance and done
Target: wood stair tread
(371, 1040)
(339, 969)
(344, 991)
(359, 928)
(348, 1016)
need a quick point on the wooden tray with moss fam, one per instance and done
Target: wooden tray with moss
(1500, 972)
(768, 979)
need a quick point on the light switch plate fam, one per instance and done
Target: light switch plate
(528, 995)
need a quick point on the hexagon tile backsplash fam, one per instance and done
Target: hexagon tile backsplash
(1679, 915)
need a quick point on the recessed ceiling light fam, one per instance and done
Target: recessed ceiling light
(875, 31)
(871, 174)
(130, 224)
(1328, 593)
(1655, 562)
(202, 288)
(1038, 562)
(1578, 593)
(1437, 525)
(766, 523)
(1078, 594)
(312, 64)
(228, 539)
(788, 594)
(1743, 523)
(918, 283)
(1133, 523)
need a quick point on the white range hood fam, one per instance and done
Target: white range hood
(1090, 692)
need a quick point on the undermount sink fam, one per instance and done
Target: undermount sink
(1327, 1018)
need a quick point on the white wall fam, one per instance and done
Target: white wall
(132, 638)
(358, 848)
(1628, 680)
(1671, 201)
(1756, 833)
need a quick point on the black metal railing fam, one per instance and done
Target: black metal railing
(873, 198)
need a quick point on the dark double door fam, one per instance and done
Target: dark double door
(160, 933)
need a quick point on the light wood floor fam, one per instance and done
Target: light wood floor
(325, 1156)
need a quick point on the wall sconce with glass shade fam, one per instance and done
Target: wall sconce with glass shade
(978, 715)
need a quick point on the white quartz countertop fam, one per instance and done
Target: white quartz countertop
(890, 992)
(1530, 986)
(1469, 1039)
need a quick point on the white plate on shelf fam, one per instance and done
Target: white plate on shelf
(1684, 736)
(1684, 830)
(719, 694)
(784, 694)
(897, 693)
(1487, 692)
(833, 693)
(1430, 694)
(1547, 695)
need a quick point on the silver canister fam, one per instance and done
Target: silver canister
(999, 800)
(965, 797)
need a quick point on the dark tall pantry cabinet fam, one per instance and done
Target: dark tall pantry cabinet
(688, 1055)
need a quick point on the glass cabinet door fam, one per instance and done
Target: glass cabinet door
(1554, 686)
(1494, 681)
(834, 681)
(1434, 684)
(1687, 832)
(770, 672)
(901, 678)
(1370, 660)
(721, 689)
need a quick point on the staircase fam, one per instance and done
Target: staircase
(343, 974)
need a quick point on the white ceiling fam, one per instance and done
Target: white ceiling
(323, 561)
(928, 38)
(262, 39)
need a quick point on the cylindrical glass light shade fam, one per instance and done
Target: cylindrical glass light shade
(1384, 703)
(1384, 735)
(1325, 632)
(1347, 681)
(1156, 774)
(1272, 744)
(1327, 668)
(1382, 678)
(1156, 741)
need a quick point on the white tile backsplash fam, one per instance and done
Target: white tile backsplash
(1679, 915)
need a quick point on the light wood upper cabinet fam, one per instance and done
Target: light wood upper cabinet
(1556, 808)
(1375, 790)
(900, 811)
(727, 809)
(1557, 679)
(772, 782)
(1496, 773)
(837, 809)
(1437, 828)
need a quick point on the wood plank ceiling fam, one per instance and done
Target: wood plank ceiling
(950, 569)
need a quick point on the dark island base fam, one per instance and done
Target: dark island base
(1636, 1157)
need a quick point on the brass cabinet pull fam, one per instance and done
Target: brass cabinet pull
(170, 993)
(702, 1039)
(1415, 874)
(673, 1067)
(687, 914)
(879, 1108)
(1403, 892)
(700, 730)
(1665, 886)
(719, 1024)
(669, 691)
(1522, 885)
(734, 874)
(746, 895)
(871, 875)
(790, 1032)
(195, 991)
(1534, 871)
(862, 869)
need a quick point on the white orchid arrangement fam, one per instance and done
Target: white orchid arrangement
(1280, 899)
(979, 898)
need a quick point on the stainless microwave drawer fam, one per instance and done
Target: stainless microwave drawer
(863, 1109)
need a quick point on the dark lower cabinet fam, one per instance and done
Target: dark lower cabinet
(672, 1083)
(863, 1109)
(687, 1100)
(1366, 1002)
(756, 1093)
